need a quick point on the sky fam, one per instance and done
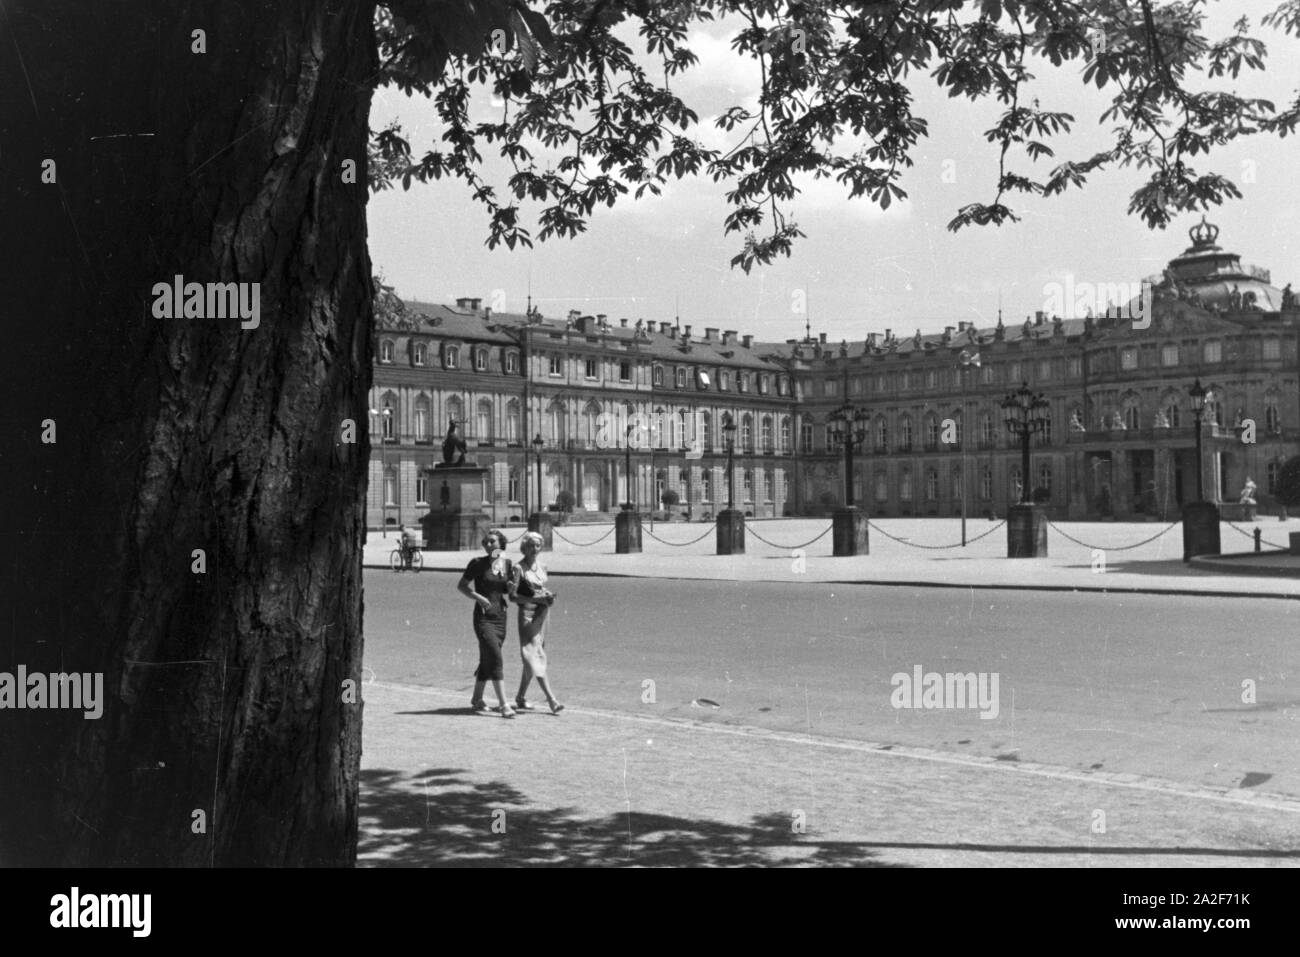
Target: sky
(859, 269)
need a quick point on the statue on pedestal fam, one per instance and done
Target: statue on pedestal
(453, 446)
(1247, 493)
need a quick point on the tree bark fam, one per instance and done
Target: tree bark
(224, 690)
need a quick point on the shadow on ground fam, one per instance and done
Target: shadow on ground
(437, 818)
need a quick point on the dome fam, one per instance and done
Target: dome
(1215, 278)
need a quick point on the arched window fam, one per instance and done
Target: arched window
(986, 483)
(785, 434)
(766, 433)
(957, 431)
(706, 427)
(882, 434)
(421, 355)
(658, 375)
(882, 487)
(657, 437)
(747, 432)
(931, 431)
(456, 413)
(931, 485)
(557, 421)
(806, 436)
(748, 478)
(390, 486)
(386, 350)
(512, 422)
(388, 415)
(590, 424)
(905, 434)
(1045, 476)
(1171, 409)
(481, 360)
(1272, 417)
(1132, 414)
(905, 485)
(483, 421)
(422, 433)
(706, 485)
(513, 488)
(956, 483)
(988, 431)
(451, 356)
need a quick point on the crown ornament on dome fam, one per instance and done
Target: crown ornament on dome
(1203, 233)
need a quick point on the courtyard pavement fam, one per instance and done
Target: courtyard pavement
(1082, 556)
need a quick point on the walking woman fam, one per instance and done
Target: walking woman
(487, 580)
(534, 599)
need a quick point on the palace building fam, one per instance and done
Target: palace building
(1120, 439)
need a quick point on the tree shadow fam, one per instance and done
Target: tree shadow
(438, 818)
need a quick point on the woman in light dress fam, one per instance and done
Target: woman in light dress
(529, 591)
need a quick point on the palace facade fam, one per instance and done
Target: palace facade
(1120, 438)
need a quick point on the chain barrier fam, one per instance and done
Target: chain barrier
(1111, 548)
(681, 544)
(556, 533)
(903, 541)
(750, 531)
(1251, 536)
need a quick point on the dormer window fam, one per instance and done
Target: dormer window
(451, 357)
(742, 382)
(386, 350)
(421, 354)
(681, 378)
(512, 362)
(480, 360)
(724, 381)
(659, 375)
(762, 385)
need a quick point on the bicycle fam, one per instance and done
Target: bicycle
(402, 558)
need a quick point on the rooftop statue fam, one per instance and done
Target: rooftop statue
(1288, 298)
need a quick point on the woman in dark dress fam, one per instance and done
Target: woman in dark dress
(488, 581)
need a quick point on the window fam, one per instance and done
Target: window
(555, 365)
(780, 385)
(591, 424)
(748, 480)
(1132, 416)
(931, 379)
(1015, 372)
(1272, 349)
(957, 431)
(904, 381)
(1045, 476)
(747, 432)
(1045, 436)
(806, 436)
(657, 438)
(681, 378)
(480, 360)
(765, 433)
(658, 376)
(988, 433)
(390, 487)
(487, 488)
(931, 485)
(558, 424)
(513, 487)
(831, 387)
(512, 424)
(422, 420)
(483, 421)
(986, 483)
(512, 362)
(421, 490)
(706, 439)
(987, 374)
(1128, 358)
(1272, 420)
(785, 434)
(1074, 368)
(1169, 355)
(956, 483)
(1212, 351)
(882, 487)
(421, 353)
(1271, 475)
(388, 415)
(905, 434)
(742, 381)
(829, 437)
(724, 381)
(905, 486)
(386, 351)
(1017, 487)
(931, 432)
(1173, 411)
(590, 369)
(625, 371)
(762, 384)
(882, 434)
(706, 485)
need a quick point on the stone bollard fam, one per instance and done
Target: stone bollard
(543, 525)
(1200, 529)
(849, 533)
(1026, 532)
(731, 532)
(627, 532)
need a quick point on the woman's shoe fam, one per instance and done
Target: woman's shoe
(556, 707)
(506, 711)
(521, 704)
(479, 707)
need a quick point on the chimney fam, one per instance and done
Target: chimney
(622, 323)
(747, 341)
(1039, 316)
(728, 336)
(889, 334)
(487, 313)
(871, 339)
(602, 318)
(961, 325)
(573, 315)
(710, 334)
(822, 338)
(687, 333)
(947, 333)
(664, 327)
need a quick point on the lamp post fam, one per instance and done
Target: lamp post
(848, 430)
(1200, 518)
(383, 464)
(1025, 415)
(627, 523)
(629, 497)
(731, 522)
(539, 521)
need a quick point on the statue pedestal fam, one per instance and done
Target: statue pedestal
(1200, 529)
(457, 522)
(849, 533)
(1026, 532)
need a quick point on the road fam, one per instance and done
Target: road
(1148, 685)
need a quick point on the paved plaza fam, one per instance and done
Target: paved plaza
(739, 710)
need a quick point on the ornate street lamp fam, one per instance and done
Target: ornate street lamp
(729, 443)
(1200, 395)
(1026, 415)
(539, 521)
(627, 469)
(847, 428)
(538, 445)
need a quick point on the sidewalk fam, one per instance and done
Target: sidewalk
(921, 552)
(441, 786)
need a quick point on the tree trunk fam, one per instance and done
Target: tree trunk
(228, 736)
